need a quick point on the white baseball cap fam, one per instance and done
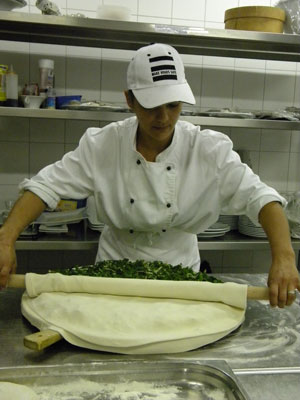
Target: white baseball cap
(156, 76)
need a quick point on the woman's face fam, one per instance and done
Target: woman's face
(156, 123)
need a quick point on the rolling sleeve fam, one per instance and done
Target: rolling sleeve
(241, 190)
(71, 177)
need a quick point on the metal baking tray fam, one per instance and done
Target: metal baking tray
(133, 380)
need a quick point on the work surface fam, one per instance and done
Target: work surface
(264, 352)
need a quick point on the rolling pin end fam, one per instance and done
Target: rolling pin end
(41, 340)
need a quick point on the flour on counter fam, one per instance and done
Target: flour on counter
(89, 390)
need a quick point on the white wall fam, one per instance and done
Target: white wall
(26, 145)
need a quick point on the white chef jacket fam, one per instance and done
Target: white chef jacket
(153, 210)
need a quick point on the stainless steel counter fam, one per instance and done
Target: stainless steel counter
(264, 352)
(79, 238)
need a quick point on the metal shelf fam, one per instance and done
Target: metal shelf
(89, 241)
(89, 32)
(64, 114)
(109, 116)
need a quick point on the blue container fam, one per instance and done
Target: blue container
(63, 101)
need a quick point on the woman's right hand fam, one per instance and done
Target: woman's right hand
(8, 261)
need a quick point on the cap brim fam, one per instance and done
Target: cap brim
(156, 96)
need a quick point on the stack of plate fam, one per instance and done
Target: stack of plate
(53, 228)
(55, 218)
(216, 230)
(231, 220)
(57, 221)
(247, 227)
(294, 229)
(98, 226)
(93, 221)
(29, 232)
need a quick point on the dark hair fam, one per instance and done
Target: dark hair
(131, 95)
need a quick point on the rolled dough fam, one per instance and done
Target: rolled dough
(161, 316)
(14, 391)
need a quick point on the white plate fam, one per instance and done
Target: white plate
(254, 233)
(54, 228)
(62, 217)
(8, 5)
(95, 108)
(231, 220)
(218, 226)
(205, 235)
(228, 114)
(216, 230)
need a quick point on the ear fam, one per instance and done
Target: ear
(128, 99)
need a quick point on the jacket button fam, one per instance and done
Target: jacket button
(169, 168)
(131, 201)
(168, 205)
(131, 231)
(138, 162)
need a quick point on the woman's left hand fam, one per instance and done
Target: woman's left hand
(283, 274)
(283, 280)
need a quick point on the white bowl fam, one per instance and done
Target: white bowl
(8, 5)
(114, 12)
(32, 101)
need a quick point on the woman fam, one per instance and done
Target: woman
(157, 181)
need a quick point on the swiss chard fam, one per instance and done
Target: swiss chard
(139, 269)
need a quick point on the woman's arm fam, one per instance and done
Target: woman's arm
(27, 209)
(283, 274)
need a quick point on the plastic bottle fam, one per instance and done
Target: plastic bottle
(46, 75)
(50, 100)
(3, 72)
(11, 88)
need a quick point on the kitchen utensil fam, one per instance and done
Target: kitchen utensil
(253, 292)
(128, 379)
(41, 340)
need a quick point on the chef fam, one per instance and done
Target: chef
(157, 181)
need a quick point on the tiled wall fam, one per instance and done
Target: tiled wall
(26, 145)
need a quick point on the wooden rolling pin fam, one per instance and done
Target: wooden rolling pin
(41, 340)
(253, 292)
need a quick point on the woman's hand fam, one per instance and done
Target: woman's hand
(283, 280)
(7, 261)
(27, 208)
(283, 274)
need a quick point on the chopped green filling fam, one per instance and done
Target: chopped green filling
(139, 269)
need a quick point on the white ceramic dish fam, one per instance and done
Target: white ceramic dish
(62, 217)
(8, 5)
(32, 101)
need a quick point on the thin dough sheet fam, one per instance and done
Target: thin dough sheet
(150, 324)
